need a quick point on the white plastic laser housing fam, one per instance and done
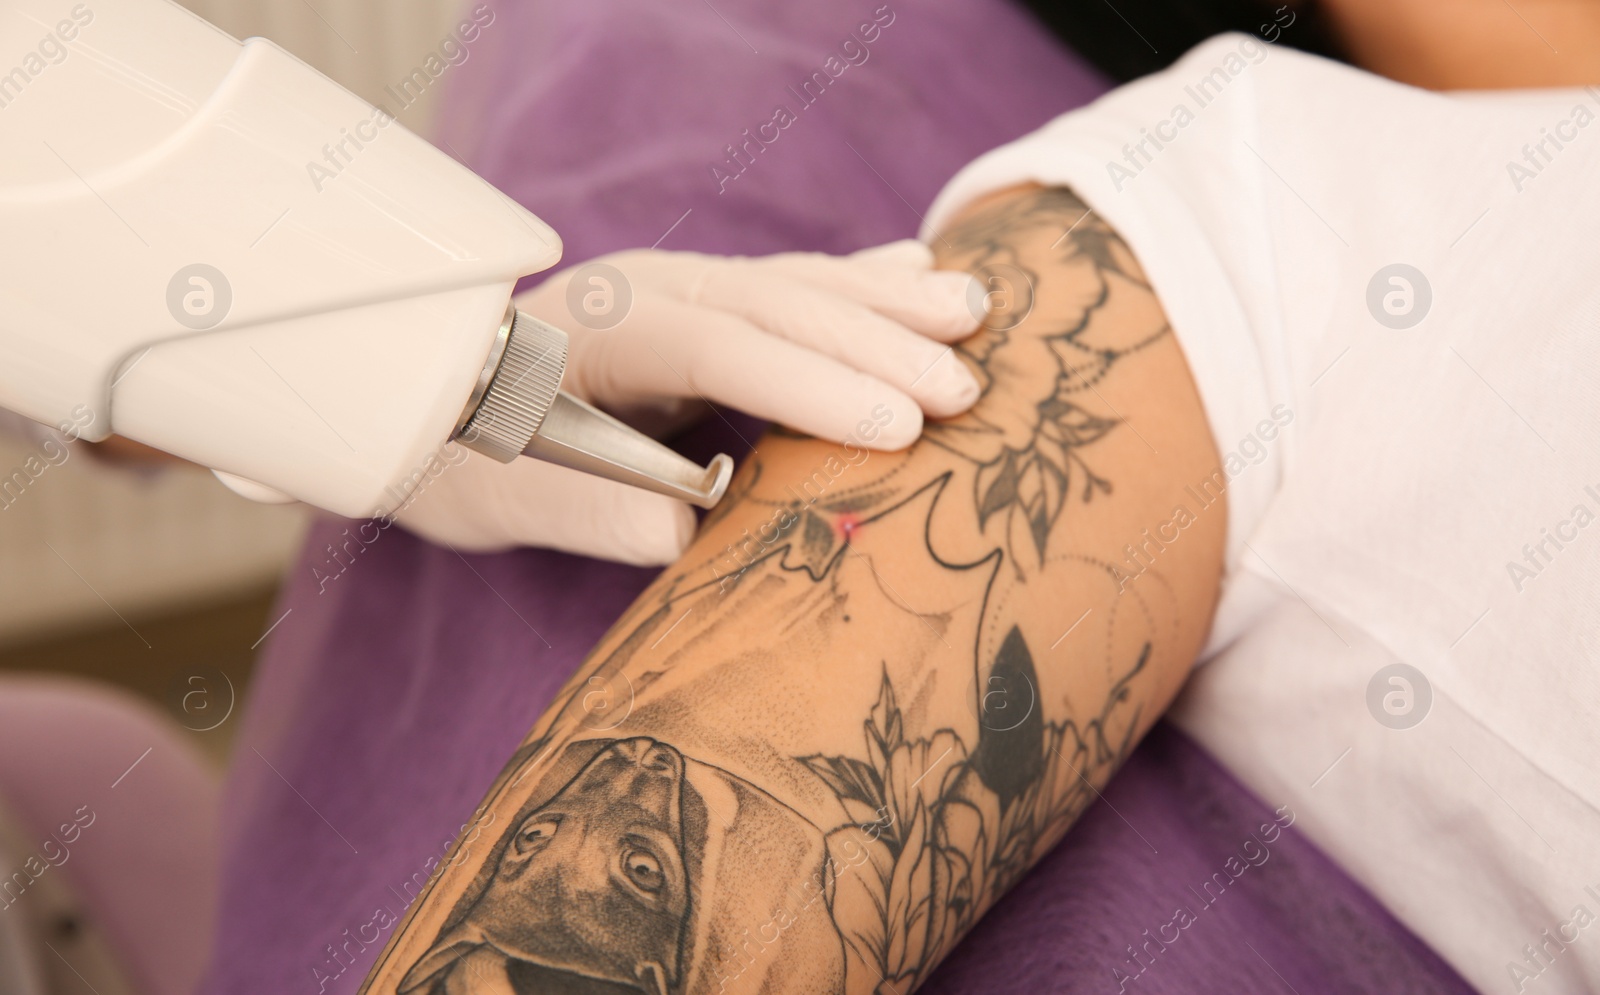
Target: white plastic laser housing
(215, 250)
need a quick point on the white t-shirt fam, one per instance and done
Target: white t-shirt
(1434, 501)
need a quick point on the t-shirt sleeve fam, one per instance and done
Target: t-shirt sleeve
(1170, 168)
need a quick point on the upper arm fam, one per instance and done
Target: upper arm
(1091, 459)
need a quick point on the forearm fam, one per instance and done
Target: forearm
(878, 687)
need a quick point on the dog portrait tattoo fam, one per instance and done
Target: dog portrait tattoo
(817, 768)
(602, 886)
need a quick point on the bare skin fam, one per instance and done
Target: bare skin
(1472, 44)
(878, 687)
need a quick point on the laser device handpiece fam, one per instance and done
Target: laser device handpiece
(213, 249)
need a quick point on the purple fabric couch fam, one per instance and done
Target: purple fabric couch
(389, 696)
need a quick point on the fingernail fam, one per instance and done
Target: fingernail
(660, 531)
(952, 385)
(964, 387)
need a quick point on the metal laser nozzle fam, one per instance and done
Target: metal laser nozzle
(518, 408)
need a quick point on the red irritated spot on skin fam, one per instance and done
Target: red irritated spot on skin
(847, 525)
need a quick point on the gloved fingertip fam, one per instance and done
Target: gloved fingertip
(958, 301)
(906, 252)
(656, 529)
(950, 388)
(904, 426)
(686, 526)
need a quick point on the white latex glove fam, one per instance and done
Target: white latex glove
(812, 341)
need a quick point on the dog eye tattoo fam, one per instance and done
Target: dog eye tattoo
(536, 834)
(643, 869)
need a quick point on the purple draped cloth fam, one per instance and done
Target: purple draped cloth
(390, 695)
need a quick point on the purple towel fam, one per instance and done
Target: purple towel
(398, 684)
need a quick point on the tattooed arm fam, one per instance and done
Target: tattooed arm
(878, 687)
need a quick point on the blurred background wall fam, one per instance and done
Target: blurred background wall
(364, 45)
(147, 577)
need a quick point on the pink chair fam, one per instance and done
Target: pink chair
(116, 809)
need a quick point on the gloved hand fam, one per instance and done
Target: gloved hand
(812, 341)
